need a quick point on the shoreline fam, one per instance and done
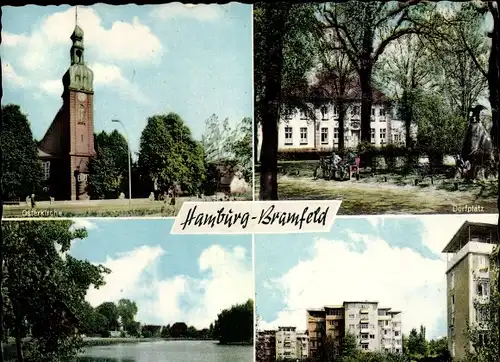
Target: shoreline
(101, 341)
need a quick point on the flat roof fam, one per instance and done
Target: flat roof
(454, 244)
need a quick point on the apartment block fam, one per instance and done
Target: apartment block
(286, 343)
(375, 328)
(468, 280)
(302, 345)
(266, 346)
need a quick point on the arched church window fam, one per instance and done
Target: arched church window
(81, 114)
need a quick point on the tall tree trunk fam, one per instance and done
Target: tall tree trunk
(276, 17)
(342, 108)
(365, 77)
(255, 142)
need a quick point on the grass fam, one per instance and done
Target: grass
(104, 208)
(384, 192)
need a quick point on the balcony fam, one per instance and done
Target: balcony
(365, 330)
(482, 299)
(364, 311)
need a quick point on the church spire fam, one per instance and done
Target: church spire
(77, 48)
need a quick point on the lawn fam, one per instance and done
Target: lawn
(104, 208)
(383, 192)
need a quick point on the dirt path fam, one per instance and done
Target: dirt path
(382, 198)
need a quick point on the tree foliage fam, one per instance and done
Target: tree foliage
(227, 146)
(45, 288)
(22, 170)
(168, 155)
(235, 325)
(109, 169)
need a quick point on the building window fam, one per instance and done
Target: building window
(386, 323)
(364, 346)
(288, 136)
(372, 336)
(452, 280)
(364, 325)
(324, 113)
(303, 115)
(355, 110)
(372, 135)
(303, 135)
(373, 111)
(336, 133)
(364, 335)
(396, 333)
(453, 304)
(383, 134)
(483, 289)
(352, 315)
(382, 112)
(324, 135)
(335, 111)
(46, 170)
(480, 316)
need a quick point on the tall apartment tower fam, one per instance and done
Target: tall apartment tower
(375, 328)
(286, 343)
(468, 280)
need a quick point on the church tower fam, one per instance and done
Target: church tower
(68, 144)
(78, 98)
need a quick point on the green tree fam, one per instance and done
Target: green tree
(235, 324)
(165, 332)
(110, 311)
(109, 169)
(242, 148)
(285, 49)
(127, 310)
(178, 330)
(46, 288)
(168, 154)
(22, 170)
(364, 30)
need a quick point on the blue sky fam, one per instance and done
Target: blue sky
(192, 60)
(395, 261)
(171, 277)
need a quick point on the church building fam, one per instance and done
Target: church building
(68, 144)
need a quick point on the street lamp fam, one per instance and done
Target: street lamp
(128, 159)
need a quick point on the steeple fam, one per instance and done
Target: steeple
(78, 77)
(77, 48)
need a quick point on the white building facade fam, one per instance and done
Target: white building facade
(375, 329)
(291, 344)
(298, 133)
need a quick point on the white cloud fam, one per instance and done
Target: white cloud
(202, 12)
(398, 278)
(52, 86)
(11, 76)
(79, 223)
(122, 41)
(126, 271)
(197, 302)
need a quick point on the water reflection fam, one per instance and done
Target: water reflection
(168, 351)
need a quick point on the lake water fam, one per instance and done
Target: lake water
(168, 351)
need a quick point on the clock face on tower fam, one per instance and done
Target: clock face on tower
(82, 97)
